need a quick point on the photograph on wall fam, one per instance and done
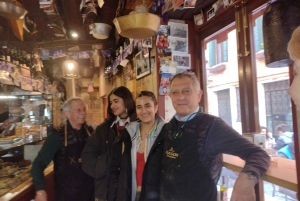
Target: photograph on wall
(228, 3)
(162, 42)
(168, 66)
(142, 65)
(211, 13)
(163, 30)
(199, 19)
(146, 51)
(164, 86)
(189, 3)
(147, 42)
(183, 60)
(178, 44)
(178, 30)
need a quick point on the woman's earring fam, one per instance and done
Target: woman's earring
(126, 110)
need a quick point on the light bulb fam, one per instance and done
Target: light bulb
(70, 66)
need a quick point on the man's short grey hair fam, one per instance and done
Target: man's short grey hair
(68, 103)
(190, 75)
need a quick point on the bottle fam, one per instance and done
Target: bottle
(13, 55)
(223, 190)
(17, 57)
(2, 52)
(7, 55)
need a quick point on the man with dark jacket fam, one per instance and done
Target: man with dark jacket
(186, 160)
(64, 147)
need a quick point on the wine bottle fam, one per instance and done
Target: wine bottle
(12, 55)
(7, 55)
(17, 57)
(2, 54)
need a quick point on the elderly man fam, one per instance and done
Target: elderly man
(64, 147)
(186, 160)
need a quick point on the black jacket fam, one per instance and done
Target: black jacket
(152, 170)
(120, 182)
(96, 156)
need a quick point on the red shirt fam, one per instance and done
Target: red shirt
(140, 164)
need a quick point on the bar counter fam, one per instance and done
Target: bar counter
(284, 173)
(26, 192)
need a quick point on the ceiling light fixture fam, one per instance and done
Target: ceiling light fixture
(74, 35)
(138, 24)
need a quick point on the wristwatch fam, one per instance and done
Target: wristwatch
(251, 176)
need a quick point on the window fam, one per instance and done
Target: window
(222, 81)
(218, 52)
(274, 102)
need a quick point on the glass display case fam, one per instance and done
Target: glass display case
(26, 118)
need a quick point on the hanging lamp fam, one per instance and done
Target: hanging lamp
(70, 68)
(138, 24)
(280, 19)
(10, 10)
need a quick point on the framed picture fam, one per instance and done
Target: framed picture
(211, 13)
(178, 44)
(147, 42)
(178, 30)
(142, 65)
(183, 60)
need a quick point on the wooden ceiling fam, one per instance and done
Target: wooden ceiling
(65, 14)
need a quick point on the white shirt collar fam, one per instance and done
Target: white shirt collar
(121, 123)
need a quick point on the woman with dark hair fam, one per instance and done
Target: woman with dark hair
(126, 170)
(96, 155)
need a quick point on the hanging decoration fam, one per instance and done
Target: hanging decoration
(138, 24)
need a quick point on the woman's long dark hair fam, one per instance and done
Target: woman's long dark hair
(129, 103)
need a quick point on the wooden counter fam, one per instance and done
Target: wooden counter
(283, 174)
(26, 192)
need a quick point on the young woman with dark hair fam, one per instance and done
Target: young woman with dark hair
(126, 170)
(96, 155)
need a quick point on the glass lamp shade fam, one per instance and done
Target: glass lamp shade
(70, 69)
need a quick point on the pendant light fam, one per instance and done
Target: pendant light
(280, 19)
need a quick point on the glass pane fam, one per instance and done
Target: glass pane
(275, 113)
(222, 76)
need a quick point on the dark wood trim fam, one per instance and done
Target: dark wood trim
(295, 129)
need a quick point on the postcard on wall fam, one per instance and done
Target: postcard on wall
(162, 42)
(147, 42)
(199, 19)
(163, 30)
(189, 3)
(178, 44)
(183, 60)
(168, 66)
(178, 30)
(164, 86)
(211, 13)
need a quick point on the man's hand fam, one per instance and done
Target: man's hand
(243, 189)
(41, 195)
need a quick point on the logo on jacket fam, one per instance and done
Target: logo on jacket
(171, 153)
